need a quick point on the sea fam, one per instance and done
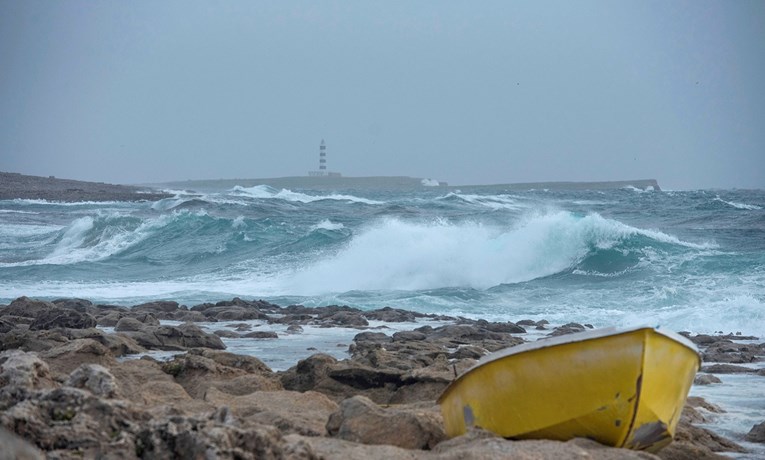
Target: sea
(681, 260)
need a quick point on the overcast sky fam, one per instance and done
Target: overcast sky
(465, 92)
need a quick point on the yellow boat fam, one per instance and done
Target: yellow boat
(620, 387)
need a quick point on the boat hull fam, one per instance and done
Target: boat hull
(621, 388)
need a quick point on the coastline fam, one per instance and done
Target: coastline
(20, 186)
(158, 380)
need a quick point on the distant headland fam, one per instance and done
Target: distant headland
(20, 186)
(396, 183)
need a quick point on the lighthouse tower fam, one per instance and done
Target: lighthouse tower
(323, 158)
(322, 171)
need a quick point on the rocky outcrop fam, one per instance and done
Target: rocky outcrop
(358, 419)
(65, 390)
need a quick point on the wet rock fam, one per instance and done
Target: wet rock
(345, 319)
(375, 337)
(392, 315)
(757, 433)
(569, 328)
(358, 419)
(227, 334)
(706, 379)
(734, 353)
(727, 369)
(94, 378)
(187, 335)
(261, 335)
(507, 327)
(294, 329)
(402, 336)
(233, 310)
(159, 308)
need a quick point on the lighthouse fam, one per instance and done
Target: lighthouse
(323, 158)
(322, 171)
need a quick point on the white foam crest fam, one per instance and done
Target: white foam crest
(15, 211)
(490, 201)
(238, 222)
(430, 183)
(399, 255)
(266, 192)
(748, 207)
(327, 224)
(632, 188)
(73, 246)
(409, 256)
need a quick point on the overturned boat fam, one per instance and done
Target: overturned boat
(620, 387)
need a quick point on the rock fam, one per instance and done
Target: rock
(68, 357)
(290, 411)
(332, 448)
(71, 419)
(16, 448)
(159, 308)
(261, 335)
(479, 445)
(706, 379)
(360, 420)
(6, 325)
(81, 305)
(197, 373)
(110, 319)
(308, 373)
(94, 378)
(569, 328)
(369, 336)
(62, 318)
(20, 369)
(734, 353)
(345, 319)
(507, 327)
(727, 369)
(26, 308)
(194, 438)
(757, 433)
(227, 334)
(187, 335)
(402, 336)
(392, 315)
(143, 383)
(294, 329)
(128, 324)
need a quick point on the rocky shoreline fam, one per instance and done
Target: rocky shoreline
(20, 186)
(70, 389)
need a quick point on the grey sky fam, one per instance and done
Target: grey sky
(467, 92)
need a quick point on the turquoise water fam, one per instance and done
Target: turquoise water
(685, 260)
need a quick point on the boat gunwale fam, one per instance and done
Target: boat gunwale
(584, 336)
